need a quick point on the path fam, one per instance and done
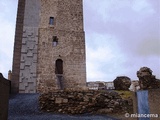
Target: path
(25, 107)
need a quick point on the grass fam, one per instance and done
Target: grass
(124, 94)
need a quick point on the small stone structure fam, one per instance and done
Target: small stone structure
(80, 102)
(153, 103)
(122, 83)
(4, 97)
(147, 80)
(134, 86)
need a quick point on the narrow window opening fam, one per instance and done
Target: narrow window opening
(55, 41)
(59, 73)
(59, 66)
(51, 20)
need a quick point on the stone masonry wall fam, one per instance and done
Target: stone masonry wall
(17, 47)
(34, 55)
(31, 17)
(154, 103)
(28, 65)
(70, 15)
(68, 27)
(82, 102)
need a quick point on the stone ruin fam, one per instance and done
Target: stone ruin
(82, 102)
(147, 80)
(134, 86)
(122, 83)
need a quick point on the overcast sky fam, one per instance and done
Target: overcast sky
(121, 36)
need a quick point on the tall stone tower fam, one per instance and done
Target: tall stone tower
(49, 48)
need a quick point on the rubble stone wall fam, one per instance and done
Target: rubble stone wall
(81, 102)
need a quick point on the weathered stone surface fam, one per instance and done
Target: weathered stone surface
(34, 52)
(68, 28)
(28, 64)
(79, 102)
(122, 83)
(17, 46)
(134, 86)
(147, 80)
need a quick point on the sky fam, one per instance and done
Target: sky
(121, 37)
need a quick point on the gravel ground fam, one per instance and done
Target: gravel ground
(25, 107)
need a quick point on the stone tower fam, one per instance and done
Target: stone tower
(49, 48)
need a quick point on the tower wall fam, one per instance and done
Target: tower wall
(17, 47)
(37, 71)
(28, 64)
(68, 27)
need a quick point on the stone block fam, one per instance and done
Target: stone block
(65, 100)
(35, 47)
(23, 58)
(30, 44)
(30, 86)
(36, 40)
(34, 75)
(31, 47)
(30, 80)
(27, 63)
(21, 73)
(24, 35)
(22, 66)
(33, 68)
(26, 90)
(24, 41)
(32, 91)
(29, 54)
(30, 33)
(34, 57)
(34, 82)
(35, 51)
(59, 100)
(33, 36)
(21, 86)
(26, 74)
(23, 50)
(25, 84)
(20, 79)
(24, 30)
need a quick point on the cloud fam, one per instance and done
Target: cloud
(103, 58)
(127, 22)
(135, 27)
(6, 46)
